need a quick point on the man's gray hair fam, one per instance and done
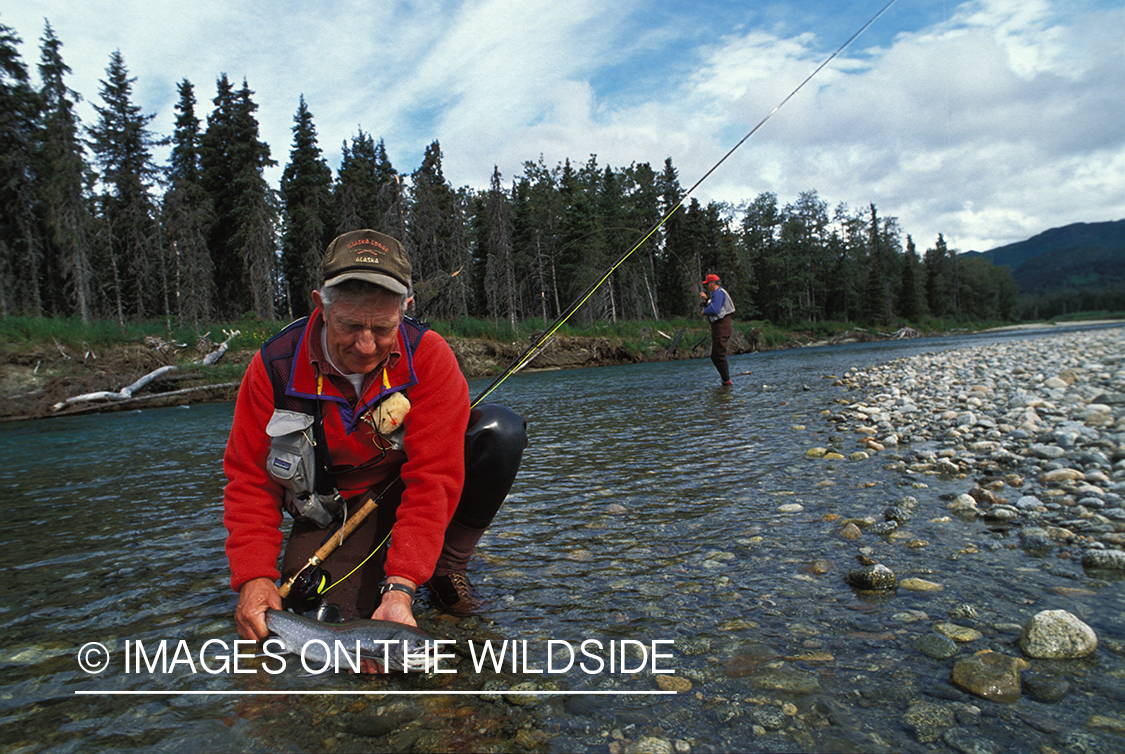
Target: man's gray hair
(360, 290)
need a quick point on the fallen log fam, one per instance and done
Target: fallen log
(214, 356)
(124, 393)
(225, 391)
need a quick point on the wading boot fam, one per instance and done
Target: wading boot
(449, 587)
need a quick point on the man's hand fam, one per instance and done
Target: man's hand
(395, 606)
(253, 598)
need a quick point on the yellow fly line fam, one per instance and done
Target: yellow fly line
(529, 354)
(531, 350)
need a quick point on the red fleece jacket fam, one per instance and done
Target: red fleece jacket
(432, 462)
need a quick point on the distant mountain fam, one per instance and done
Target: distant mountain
(1083, 255)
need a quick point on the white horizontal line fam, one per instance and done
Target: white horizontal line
(520, 692)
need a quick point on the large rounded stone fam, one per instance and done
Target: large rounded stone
(1057, 635)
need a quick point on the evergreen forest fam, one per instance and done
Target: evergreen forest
(94, 229)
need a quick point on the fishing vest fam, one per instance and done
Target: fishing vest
(298, 457)
(726, 309)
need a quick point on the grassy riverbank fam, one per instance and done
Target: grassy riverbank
(46, 361)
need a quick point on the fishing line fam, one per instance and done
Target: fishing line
(341, 580)
(531, 351)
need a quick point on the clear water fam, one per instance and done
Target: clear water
(647, 509)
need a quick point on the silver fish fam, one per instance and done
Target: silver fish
(384, 641)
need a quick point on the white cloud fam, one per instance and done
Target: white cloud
(990, 121)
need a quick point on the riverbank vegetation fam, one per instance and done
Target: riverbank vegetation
(45, 361)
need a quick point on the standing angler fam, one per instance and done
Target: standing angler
(717, 307)
(356, 402)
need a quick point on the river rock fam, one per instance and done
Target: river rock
(1061, 475)
(960, 634)
(936, 646)
(991, 676)
(876, 577)
(1057, 635)
(770, 718)
(523, 695)
(929, 720)
(970, 742)
(1104, 559)
(1036, 541)
(780, 676)
(376, 726)
(920, 585)
(650, 745)
(677, 683)
(1115, 725)
(1047, 690)
(964, 503)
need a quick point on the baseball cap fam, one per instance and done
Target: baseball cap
(710, 279)
(367, 255)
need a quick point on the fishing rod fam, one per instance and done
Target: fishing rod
(532, 350)
(307, 572)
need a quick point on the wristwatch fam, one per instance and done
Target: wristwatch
(392, 587)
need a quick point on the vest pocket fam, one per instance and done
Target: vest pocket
(292, 462)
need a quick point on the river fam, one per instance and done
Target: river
(656, 513)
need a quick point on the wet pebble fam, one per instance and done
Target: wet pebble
(920, 585)
(990, 675)
(875, 577)
(960, 634)
(936, 646)
(677, 683)
(1048, 690)
(970, 742)
(929, 720)
(784, 677)
(650, 745)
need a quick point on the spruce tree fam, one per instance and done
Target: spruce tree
(576, 233)
(64, 212)
(910, 299)
(499, 277)
(306, 200)
(939, 279)
(121, 143)
(187, 217)
(761, 233)
(255, 212)
(21, 262)
(534, 227)
(368, 189)
(440, 244)
(674, 273)
(232, 159)
(641, 212)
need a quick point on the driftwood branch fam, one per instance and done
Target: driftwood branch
(181, 397)
(124, 393)
(214, 356)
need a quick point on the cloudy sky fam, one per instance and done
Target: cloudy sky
(987, 121)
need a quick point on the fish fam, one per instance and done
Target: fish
(386, 642)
